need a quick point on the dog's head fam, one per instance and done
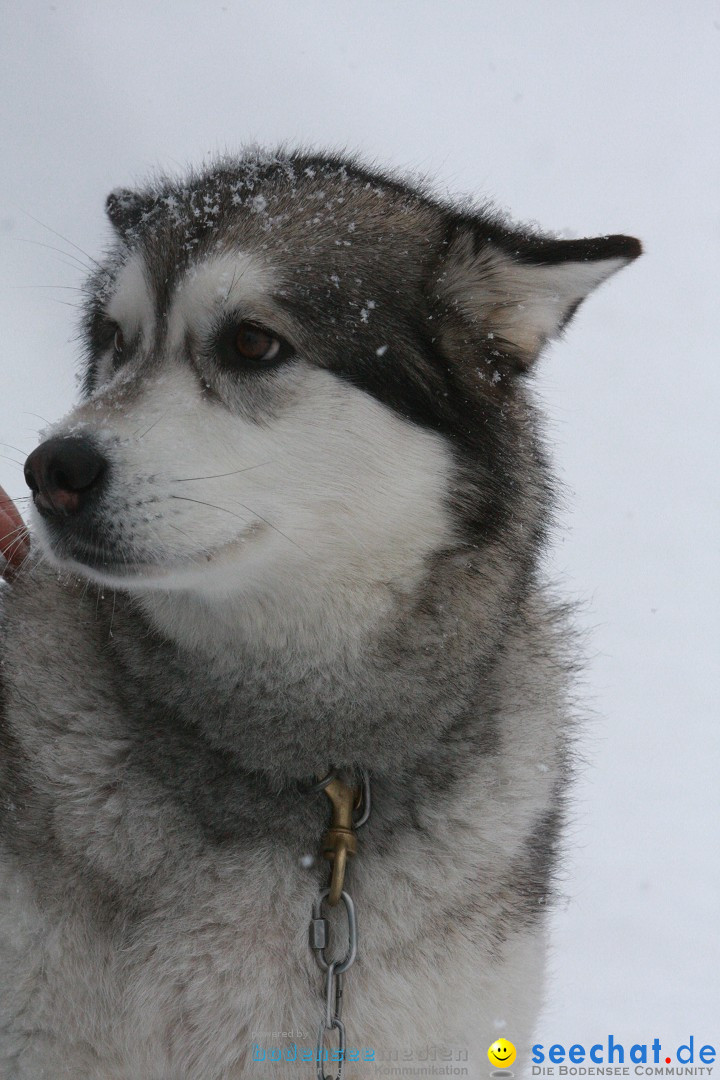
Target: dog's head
(297, 367)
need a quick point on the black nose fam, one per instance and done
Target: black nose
(63, 474)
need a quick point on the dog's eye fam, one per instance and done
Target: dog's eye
(247, 346)
(118, 341)
(253, 343)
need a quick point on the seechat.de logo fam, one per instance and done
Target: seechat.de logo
(642, 1059)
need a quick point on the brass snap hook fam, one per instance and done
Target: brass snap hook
(340, 842)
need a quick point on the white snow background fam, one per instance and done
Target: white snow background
(589, 118)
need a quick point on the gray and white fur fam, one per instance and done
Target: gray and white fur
(247, 568)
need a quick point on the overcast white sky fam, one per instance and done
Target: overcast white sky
(591, 117)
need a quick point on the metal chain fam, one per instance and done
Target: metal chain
(336, 847)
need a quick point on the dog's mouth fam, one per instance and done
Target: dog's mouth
(98, 560)
(103, 561)
(119, 564)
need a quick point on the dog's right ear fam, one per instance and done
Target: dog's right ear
(126, 209)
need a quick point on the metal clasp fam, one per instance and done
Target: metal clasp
(340, 842)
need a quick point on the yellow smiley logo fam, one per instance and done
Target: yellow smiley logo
(501, 1054)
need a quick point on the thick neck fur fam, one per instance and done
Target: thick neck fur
(291, 683)
(210, 742)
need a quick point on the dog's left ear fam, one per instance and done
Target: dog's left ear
(518, 290)
(127, 208)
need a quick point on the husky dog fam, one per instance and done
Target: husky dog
(294, 523)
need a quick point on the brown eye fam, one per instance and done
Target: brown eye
(253, 343)
(246, 348)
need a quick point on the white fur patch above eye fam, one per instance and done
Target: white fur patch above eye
(131, 305)
(234, 281)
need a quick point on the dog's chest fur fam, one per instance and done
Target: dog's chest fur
(193, 915)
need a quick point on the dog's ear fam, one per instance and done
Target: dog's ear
(518, 290)
(127, 208)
